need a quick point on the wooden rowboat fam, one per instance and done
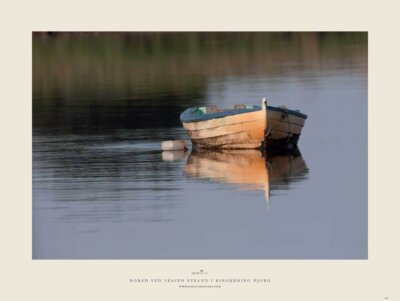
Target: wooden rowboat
(210, 127)
(243, 127)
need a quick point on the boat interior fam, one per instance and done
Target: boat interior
(214, 109)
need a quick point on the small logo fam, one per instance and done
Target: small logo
(201, 272)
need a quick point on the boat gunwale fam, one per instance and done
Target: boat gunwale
(188, 117)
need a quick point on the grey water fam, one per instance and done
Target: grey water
(102, 188)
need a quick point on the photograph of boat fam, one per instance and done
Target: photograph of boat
(172, 145)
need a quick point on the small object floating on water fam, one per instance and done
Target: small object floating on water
(174, 145)
(171, 156)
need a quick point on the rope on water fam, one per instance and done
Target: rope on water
(289, 130)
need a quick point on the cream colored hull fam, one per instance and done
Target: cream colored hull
(241, 131)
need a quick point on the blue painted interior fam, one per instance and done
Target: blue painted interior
(195, 114)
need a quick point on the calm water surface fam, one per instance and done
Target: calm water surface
(102, 189)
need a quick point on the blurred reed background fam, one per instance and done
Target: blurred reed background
(112, 65)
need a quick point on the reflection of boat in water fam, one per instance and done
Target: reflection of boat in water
(285, 167)
(248, 169)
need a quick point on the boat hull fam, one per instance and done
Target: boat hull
(283, 124)
(284, 128)
(241, 131)
(249, 128)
